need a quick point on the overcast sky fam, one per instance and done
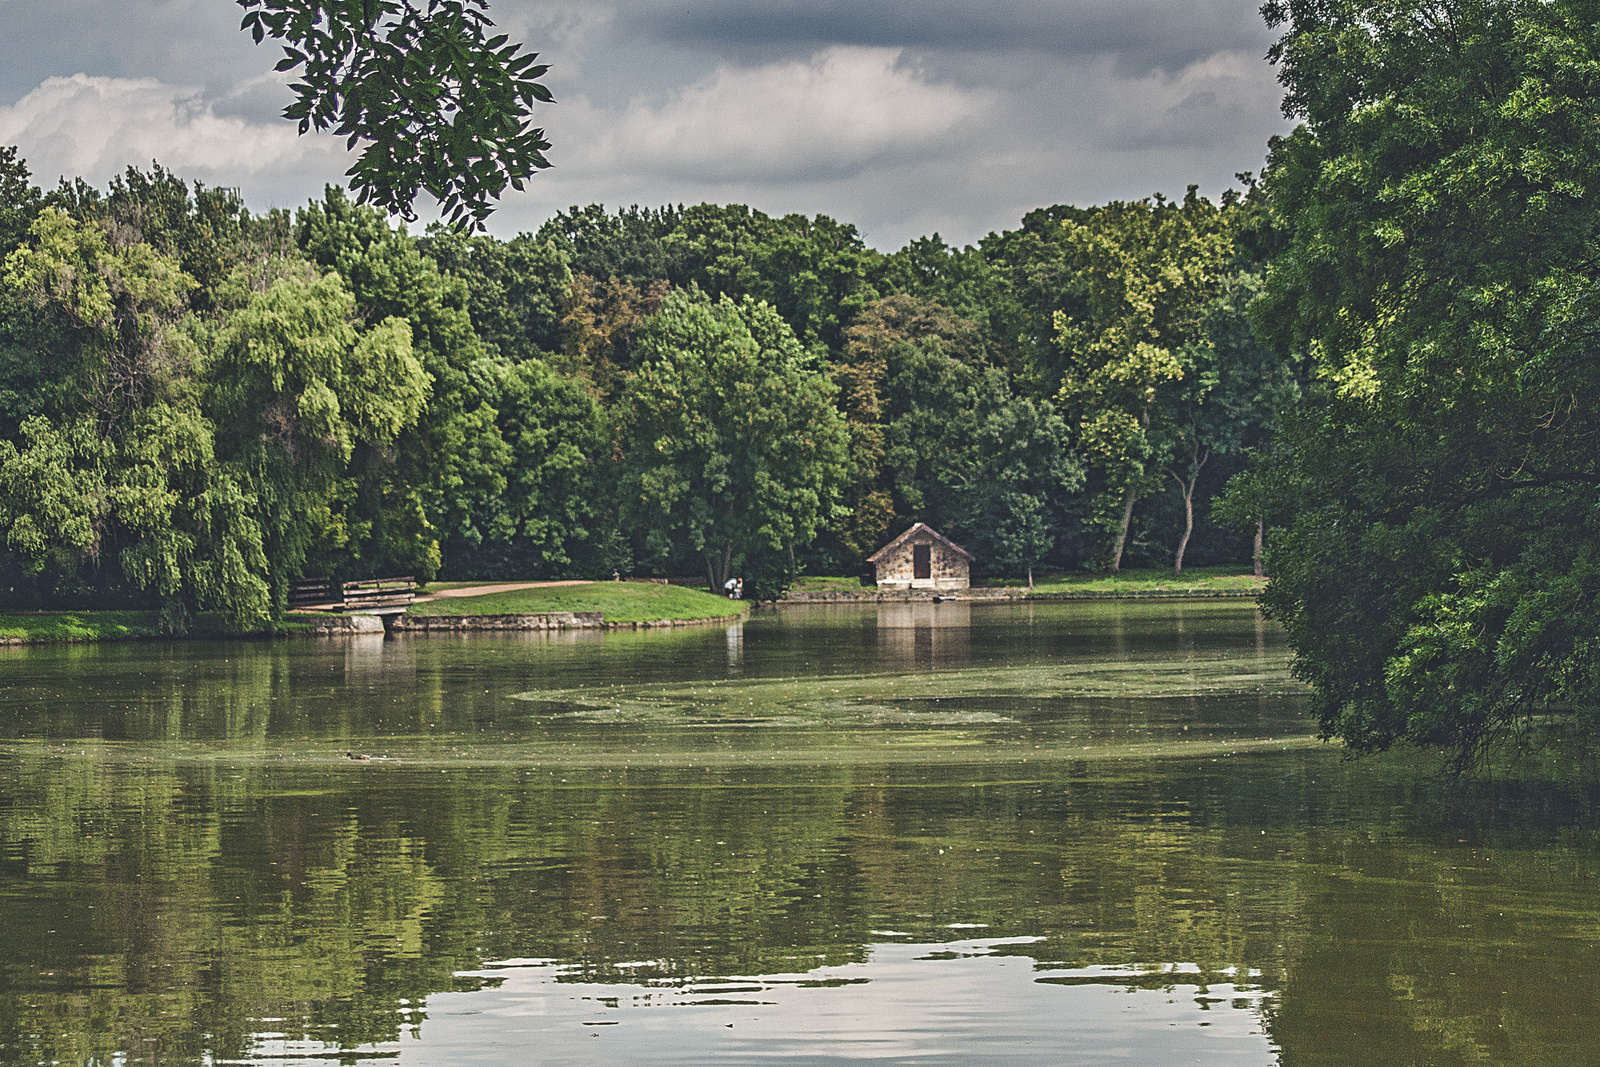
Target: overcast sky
(905, 117)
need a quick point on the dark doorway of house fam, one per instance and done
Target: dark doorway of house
(922, 561)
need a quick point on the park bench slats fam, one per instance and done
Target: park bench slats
(366, 594)
(313, 592)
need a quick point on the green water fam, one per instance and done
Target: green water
(1020, 834)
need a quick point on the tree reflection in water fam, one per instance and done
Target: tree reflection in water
(191, 870)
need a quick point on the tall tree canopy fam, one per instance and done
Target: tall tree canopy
(1437, 554)
(729, 436)
(1145, 275)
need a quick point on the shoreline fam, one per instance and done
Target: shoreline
(320, 625)
(1005, 595)
(544, 620)
(301, 626)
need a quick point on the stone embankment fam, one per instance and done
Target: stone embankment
(346, 624)
(653, 624)
(868, 596)
(873, 596)
(550, 620)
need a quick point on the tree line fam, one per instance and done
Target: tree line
(199, 404)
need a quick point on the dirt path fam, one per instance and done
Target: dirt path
(480, 590)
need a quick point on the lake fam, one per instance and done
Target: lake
(1050, 833)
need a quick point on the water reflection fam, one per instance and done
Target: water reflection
(374, 659)
(923, 633)
(906, 1003)
(1082, 837)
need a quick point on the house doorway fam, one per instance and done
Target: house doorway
(921, 561)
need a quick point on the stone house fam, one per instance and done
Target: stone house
(922, 558)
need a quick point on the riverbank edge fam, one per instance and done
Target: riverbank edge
(523, 622)
(1007, 594)
(96, 627)
(297, 625)
(349, 625)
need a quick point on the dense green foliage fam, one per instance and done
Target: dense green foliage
(198, 405)
(1437, 556)
(729, 437)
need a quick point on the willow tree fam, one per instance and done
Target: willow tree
(294, 385)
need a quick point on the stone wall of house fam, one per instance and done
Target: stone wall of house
(948, 570)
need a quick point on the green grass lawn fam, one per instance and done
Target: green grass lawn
(80, 625)
(120, 625)
(818, 583)
(1194, 580)
(621, 602)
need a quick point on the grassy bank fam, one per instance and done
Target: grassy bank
(1125, 583)
(1194, 580)
(816, 583)
(42, 626)
(79, 625)
(621, 602)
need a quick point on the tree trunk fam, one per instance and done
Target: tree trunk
(1188, 526)
(1122, 534)
(1257, 557)
(1030, 576)
(717, 564)
(1127, 510)
(1197, 461)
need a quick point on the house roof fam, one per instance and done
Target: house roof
(920, 527)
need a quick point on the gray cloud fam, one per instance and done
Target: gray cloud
(189, 42)
(903, 117)
(1144, 35)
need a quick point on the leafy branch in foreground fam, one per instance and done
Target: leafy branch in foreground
(439, 104)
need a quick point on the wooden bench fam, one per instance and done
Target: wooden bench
(381, 596)
(314, 593)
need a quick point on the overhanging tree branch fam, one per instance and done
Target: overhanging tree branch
(437, 103)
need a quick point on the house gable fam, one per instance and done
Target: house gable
(922, 558)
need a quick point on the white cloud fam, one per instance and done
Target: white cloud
(838, 113)
(96, 126)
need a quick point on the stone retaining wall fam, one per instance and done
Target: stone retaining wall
(848, 596)
(870, 596)
(651, 624)
(549, 620)
(345, 624)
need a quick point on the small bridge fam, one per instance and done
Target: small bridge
(370, 596)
